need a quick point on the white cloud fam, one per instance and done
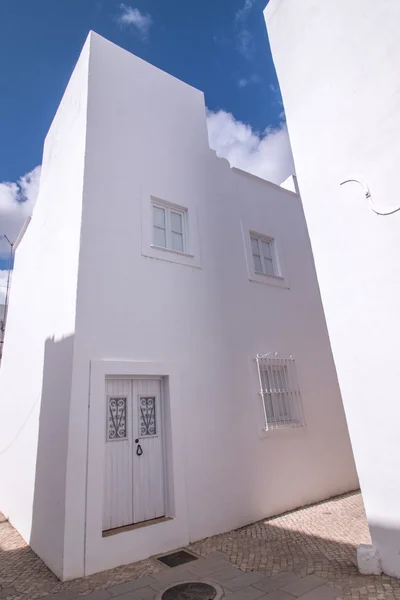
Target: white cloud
(17, 200)
(267, 155)
(244, 37)
(132, 16)
(241, 14)
(245, 43)
(245, 81)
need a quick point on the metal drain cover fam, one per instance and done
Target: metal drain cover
(177, 558)
(190, 591)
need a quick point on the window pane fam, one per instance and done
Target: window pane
(269, 266)
(158, 216)
(177, 241)
(159, 237)
(176, 222)
(254, 246)
(266, 249)
(257, 264)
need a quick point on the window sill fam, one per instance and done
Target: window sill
(278, 277)
(276, 280)
(268, 433)
(172, 251)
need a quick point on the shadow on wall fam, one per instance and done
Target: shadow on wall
(47, 535)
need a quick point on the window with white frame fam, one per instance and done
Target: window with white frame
(280, 393)
(169, 228)
(264, 258)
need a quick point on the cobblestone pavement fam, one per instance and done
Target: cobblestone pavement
(309, 554)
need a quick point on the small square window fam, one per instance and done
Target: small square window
(263, 255)
(169, 228)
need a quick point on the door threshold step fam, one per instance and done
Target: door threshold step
(109, 532)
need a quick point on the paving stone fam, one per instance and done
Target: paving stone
(303, 585)
(243, 580)
(172, 575)
(208, 566)
(62, 596)
(140, 594)
(161, 585)
(218, 554)
(8, 591)
(324, 592)
(129, 586)
(247, 593)
(320, 539)
(277, 595)
(226, 574)
(276, 581)
(99, 595)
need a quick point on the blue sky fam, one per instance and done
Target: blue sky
(218, 46)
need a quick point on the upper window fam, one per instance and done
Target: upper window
(169, 228)
(263, 255)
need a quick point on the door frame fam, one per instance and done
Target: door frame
(102, 553)
(163, 411)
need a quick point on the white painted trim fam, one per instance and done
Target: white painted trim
(170, 250)
(130, 377)
(167, 207)
(280, 280)
(191, 256)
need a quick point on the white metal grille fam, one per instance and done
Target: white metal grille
(280, 393)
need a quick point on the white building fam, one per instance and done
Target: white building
(162, 274)
(338, 66)
(2, 306)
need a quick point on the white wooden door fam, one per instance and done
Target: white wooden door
(148, 464)
(118, 476)
(134, 460)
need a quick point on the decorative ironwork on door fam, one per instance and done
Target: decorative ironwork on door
(117, 418)
(147, 415)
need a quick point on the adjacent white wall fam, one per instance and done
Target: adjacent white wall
(147, 137)
(36, 369)
(338, 67)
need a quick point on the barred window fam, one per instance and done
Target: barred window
(280, 393)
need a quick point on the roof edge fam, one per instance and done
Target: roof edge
(271, 8)
(262, 180)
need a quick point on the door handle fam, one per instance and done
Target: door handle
(139, 450)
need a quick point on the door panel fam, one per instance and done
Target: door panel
(148, 468)
(133, 480)
(118, 501)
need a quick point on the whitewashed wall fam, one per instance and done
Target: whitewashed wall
(147, 136)
(197, 320)
(36, 369)
(338, 67)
